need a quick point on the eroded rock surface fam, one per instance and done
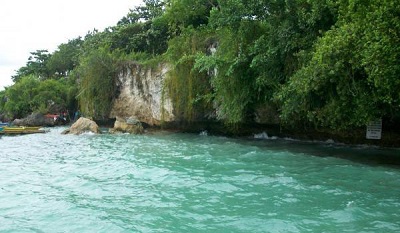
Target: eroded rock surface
(141, 94)
(83, 125)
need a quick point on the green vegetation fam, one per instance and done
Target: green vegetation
(188, 87)
(352, 75)
(97, 84)
(29, 93)
(330, 64)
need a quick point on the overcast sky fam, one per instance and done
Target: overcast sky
(30, 25)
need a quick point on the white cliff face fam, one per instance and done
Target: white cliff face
(141, 94)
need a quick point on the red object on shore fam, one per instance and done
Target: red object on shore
(52, 116)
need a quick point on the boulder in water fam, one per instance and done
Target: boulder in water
(83, 125)
(129, 125)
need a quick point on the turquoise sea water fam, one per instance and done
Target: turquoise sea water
(191, 183)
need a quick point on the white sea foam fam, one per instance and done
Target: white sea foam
(264, 136)
(204, 133)
(350, 204)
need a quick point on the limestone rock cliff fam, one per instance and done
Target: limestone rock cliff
(140, 94)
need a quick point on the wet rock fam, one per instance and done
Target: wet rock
(83, 125)
(129, 125)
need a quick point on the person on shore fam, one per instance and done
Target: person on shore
(77, 115)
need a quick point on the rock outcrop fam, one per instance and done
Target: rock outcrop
(83, 125)
(131, 125)
(35, 119)
(140, 94)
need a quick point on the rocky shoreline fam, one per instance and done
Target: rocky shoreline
(390, 139)
(132, 125)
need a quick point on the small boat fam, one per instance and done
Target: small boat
(3, 124)
(20, 130)
(21, 127)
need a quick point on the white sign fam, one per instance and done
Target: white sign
(374, 129)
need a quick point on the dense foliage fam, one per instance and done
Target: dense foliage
(311, 63)
(322, 63)
(97, 72)
(352, 75)
(30, 94)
